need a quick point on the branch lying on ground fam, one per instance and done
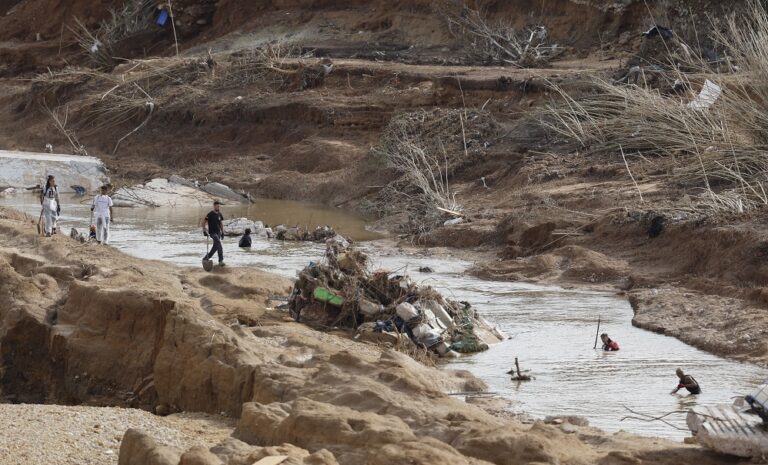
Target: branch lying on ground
(133, 17)
(60, 122)
(500, 42)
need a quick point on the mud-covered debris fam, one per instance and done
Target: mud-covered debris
(340, 291)
(299, 234)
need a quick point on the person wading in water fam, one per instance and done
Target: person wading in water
(213, 226)
(686, 381)
(609, 345)
(245, 241)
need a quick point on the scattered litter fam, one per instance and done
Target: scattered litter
(707, 97)
(656, 30)
(453, 221)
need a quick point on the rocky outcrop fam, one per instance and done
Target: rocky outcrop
(137, 448)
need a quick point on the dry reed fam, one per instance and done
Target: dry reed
(717, 144)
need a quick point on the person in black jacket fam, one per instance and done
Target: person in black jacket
(213, 226)
(245, 241)
(688, 382)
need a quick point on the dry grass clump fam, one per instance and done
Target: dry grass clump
(427, 148)
(133, 17)
(719, 145)
(498, 42)
(133, 91)
(267, 65)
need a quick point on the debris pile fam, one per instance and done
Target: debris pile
(298, 233)
(384, 307)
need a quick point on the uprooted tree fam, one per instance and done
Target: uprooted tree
(497, 41)
(426, 149)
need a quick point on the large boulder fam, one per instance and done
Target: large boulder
(222, 192)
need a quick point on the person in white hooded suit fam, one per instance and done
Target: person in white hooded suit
(51, 206)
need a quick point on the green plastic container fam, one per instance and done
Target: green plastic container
(324, 295)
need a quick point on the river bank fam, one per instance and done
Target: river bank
(174, 333)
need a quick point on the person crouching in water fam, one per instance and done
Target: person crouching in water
(102, 209)
(245, 241)
(51, 207)
(609, 345)
(686, 381)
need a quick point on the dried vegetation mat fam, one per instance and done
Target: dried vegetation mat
(705, 133)
(428, 149)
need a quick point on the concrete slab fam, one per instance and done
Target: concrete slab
(26, 169)
(729, 430)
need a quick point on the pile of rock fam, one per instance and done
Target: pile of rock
(237, 227)
(383, 306)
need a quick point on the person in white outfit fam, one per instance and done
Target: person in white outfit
(51, 207)
(102, 208)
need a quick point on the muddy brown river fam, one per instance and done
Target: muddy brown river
(551, 329)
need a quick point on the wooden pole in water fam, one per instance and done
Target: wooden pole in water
(597, 334)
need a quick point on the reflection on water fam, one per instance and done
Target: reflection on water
(552, 330)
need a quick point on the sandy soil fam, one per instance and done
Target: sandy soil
(39, 434)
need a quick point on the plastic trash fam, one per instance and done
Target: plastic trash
(438, 311)
(369, 308)
(406, 311)
(324, 295)
(453, 221)
(707, 97)
(162, 18)
(656, 30)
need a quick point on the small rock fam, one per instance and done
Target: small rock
(162, 410)
(568, 428)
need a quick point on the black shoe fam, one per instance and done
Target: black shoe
(222, 264)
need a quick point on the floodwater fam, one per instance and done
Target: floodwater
(552, 330)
